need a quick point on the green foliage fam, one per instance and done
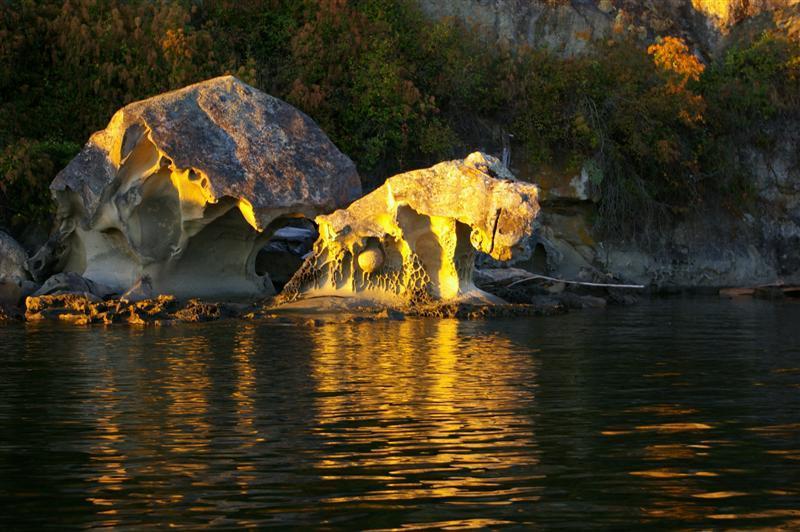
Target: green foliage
(27, 167)
(651, 127)
(66, 66)
(755, 81)
(632, 125)
(354, 73)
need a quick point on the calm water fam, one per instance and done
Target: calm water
(675, 413)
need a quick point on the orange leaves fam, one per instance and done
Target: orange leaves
(673, 58)
(175, 46)
(672, 55)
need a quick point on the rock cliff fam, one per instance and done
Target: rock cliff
(568, 26)
(183, 190)
(717, 246)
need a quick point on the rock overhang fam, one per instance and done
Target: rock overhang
(215, 164)
(242, 143)
(413, 240)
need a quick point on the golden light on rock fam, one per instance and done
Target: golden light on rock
(414, 239)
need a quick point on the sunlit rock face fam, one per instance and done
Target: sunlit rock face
(413, 240)
(184, 189)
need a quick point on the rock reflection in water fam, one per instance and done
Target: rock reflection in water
(670, 414)
(434, 420)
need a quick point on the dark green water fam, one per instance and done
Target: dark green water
(675, 413)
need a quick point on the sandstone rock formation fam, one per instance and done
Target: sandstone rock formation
(286, 251)
(413, 240)
(186, 187)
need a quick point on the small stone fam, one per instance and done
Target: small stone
(390, 314)
(12, 258)
(371, 259)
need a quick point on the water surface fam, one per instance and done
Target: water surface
(672, 413)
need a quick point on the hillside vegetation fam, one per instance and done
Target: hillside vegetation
(656, 128)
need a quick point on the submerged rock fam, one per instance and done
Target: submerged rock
(186, 188)
(413, 240)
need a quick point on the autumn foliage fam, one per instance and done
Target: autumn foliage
(395, 91)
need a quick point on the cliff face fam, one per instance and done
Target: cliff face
(568, 26)
(714, 247)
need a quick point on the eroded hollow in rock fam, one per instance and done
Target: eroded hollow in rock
(162, 222)
(180, 192)
(413, 240)
(286, 250)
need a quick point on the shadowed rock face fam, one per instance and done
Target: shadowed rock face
(13, 276)
(187, 186)
(12, 258)
(413, 239)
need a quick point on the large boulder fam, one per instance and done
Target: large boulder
(413, 240)
(186, 187)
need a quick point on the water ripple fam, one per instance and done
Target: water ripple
(677, 413)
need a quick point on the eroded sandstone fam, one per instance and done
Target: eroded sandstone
(183, 190)
(413, 240)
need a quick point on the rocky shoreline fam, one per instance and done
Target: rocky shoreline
(86, 309)
(246, 210)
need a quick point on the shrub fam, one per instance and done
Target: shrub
(27, 167)
(355, 75)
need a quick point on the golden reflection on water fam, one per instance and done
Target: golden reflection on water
(244, 396)
(187, 383)
(399, 413)
(674, 441)
(420, 416)
(179, 426)
(107, 458)
(677, 439)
